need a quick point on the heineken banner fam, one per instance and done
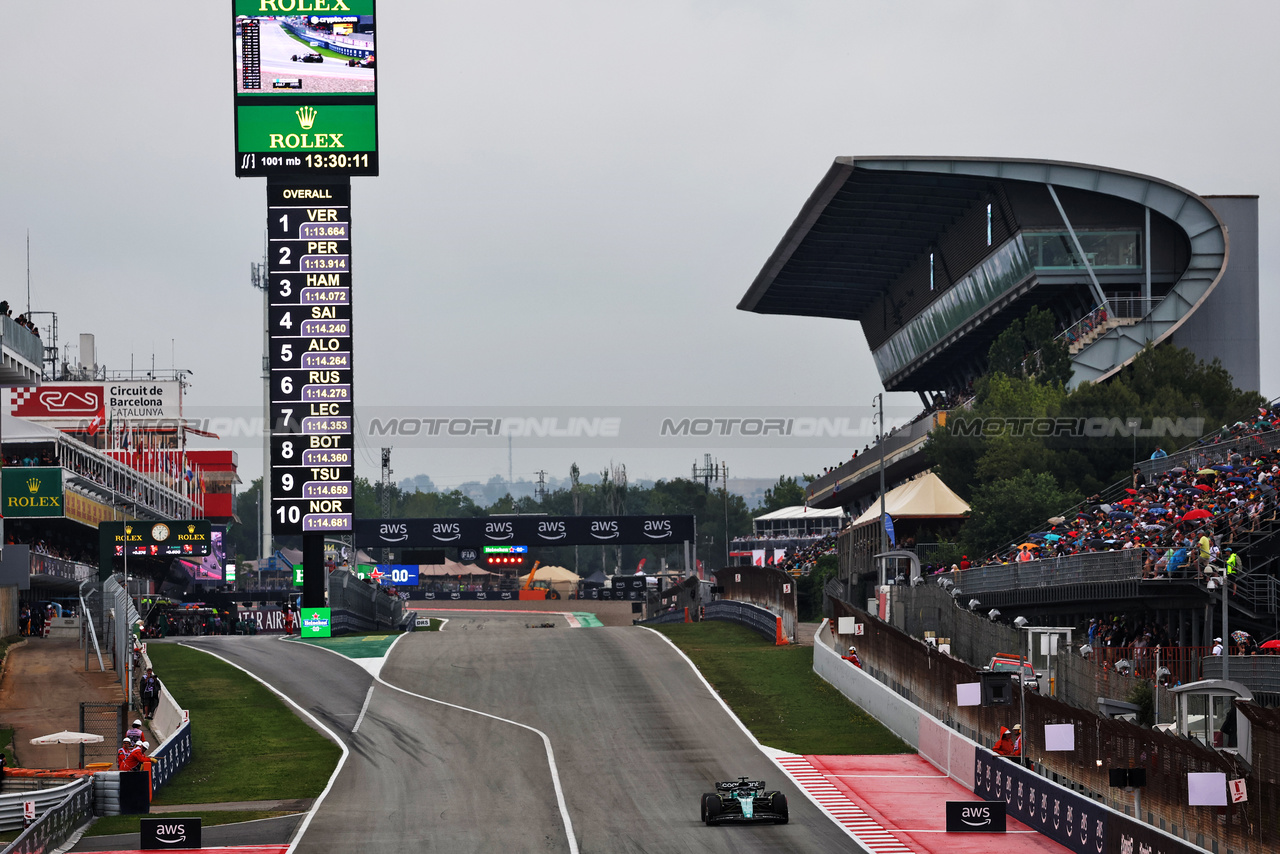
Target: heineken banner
(31, 491)
(316, 623)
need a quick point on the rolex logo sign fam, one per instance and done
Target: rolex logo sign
(31, 491)
(306, 117)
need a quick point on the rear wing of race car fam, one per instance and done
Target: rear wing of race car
(744, 783)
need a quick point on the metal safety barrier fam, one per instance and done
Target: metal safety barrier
(61, 811)
(760, 620)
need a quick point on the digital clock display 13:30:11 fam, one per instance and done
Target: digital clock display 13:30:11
(337, 161)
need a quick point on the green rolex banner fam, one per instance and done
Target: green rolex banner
(31, 491)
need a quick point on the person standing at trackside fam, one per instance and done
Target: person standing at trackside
(134, 733)
(149, 689)
(122, 755)
(1233, 566)
(1217, 647)
(1004, 744)
(1017, 741)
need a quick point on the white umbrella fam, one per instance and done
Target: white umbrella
(68, 737)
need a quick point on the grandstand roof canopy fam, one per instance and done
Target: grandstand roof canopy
(925, 497)
(800, 512)
(856, 234)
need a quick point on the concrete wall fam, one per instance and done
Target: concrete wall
(947, 750)
(1226, 325)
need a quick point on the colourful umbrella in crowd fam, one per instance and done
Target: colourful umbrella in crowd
(1198, 513)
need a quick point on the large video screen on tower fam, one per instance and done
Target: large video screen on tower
(305, 87)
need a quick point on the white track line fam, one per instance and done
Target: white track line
(777, 757)
(342, 760)
(367, 697)
(546, 742)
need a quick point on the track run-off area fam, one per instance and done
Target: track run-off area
(499, 734)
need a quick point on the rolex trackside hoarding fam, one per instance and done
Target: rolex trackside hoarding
(31, 491)
(305, 87)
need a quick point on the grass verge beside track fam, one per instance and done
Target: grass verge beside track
(774, 691)
(247, 745)
(110, 825)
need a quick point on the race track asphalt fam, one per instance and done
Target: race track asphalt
(637, 738)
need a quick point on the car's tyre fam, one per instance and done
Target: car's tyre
(778, 805)
(711, 808)
(295, 57)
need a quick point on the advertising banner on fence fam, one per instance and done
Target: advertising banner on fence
(30, 491)
(531, 530)
(1065, 817)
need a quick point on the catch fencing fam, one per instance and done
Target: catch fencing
(121, 616)
(927, 677)
(769, 589)
(108, 720)
(61, 812)
(357, 606)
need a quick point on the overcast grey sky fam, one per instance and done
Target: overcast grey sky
(574, 195)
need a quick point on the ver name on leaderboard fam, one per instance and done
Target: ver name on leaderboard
(312, 412)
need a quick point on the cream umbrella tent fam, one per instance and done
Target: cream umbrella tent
(68, 738)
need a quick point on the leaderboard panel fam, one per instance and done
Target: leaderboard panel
(312, 413)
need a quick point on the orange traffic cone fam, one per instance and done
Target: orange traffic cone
(686, 616)
(780, 637)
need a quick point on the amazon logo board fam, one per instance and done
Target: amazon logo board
(162, 833)
(975, 817)
(1076, 822)
(534, 530)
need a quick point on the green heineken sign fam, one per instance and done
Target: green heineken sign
(315, 622)
(306, 95)
(31, 491)
(297, 576)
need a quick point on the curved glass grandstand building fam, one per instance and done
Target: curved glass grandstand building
(935, 257)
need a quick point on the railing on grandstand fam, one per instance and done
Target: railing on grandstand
(42, 564)
(22, 341)
(1202, 454)
(1071, 569)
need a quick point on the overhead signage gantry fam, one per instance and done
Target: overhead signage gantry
(306, 119)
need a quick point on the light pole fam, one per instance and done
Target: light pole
(884, 531)
(1134, 424)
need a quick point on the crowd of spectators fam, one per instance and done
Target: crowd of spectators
(943, 401)
(49, 542)
(1082, 328)
(30, 457)
(1185, 520)
(801, 560)
(21, 320)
